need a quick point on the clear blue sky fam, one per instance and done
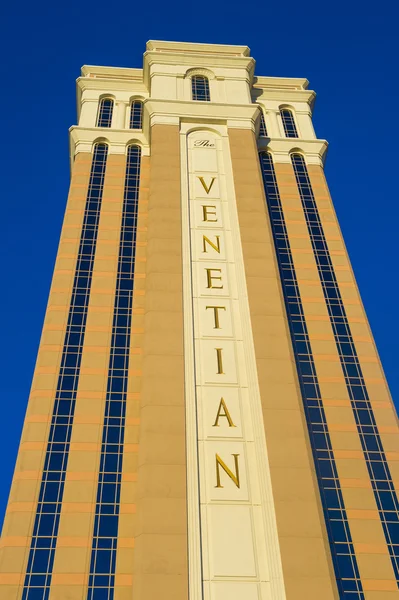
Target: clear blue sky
(348, 51)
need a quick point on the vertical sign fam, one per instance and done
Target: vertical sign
(234, 554)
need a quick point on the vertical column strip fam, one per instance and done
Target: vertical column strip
(45, 529)
(104, 545)
(342, 550)
(378, 469)
(160, 544)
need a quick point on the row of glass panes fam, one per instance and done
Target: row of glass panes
(45, 528)
(106, 520)
(335, 515)
(287, 118)
(379, 472)
(106, 109)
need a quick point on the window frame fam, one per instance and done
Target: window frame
(107, 118)
(262, 124)
(195, 93)
(133, 116)
(290, 128)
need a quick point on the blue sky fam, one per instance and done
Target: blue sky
(348, 51)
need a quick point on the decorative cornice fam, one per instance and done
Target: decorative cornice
(81, 139)
(200, 71)
(211, 61)
(283, 95)
(197, 48)
(234, 115)
(87, 83)
(123, 73)
(289, 83)
(315, 151)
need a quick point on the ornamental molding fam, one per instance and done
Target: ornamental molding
(82, 139)
(187, 60)
(314, 151)
(283, 95)
(86, 83)
(235, 115)
(196, 71)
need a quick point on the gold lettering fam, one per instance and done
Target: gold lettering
(225, 414)
(210, 277)
(220, 361)
(207, 213)
(216, 314)
(221, 463)
(206, 188)
(216, 246)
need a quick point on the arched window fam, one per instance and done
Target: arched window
(200, 88)
(105, 112)
(289, 123)
(262, 128)
(136, 115)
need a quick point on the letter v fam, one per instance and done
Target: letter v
(206, 188)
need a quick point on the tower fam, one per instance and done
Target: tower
(208, 418)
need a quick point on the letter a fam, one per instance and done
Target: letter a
(225, 414)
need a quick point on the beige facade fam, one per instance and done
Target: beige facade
(305, 557)
(221, 493)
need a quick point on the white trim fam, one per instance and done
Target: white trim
(193, 504)
(255, 497)
(82, 139)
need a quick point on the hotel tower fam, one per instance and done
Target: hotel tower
(209, 418)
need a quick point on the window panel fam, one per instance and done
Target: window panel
(335, 515)
(262, 128)
(200, 88)
(136, 115)
(380, 476)
(102, 569)
(105, 111)
(48, 510)
(288, 123)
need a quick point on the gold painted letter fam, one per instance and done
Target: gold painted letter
(206, 188)
(206, 213)
(216, 314)
(220, 463)
(220, 361)
(209, 278)
(216, 246)
(225, 413)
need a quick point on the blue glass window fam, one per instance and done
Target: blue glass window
(105, 534)
(200, 88)
(262, 126)
(105, 111)
(136, 115)
(335, 515)
(45, 529)
(378, 469)
(288, 123)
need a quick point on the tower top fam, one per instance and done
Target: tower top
(198, 48)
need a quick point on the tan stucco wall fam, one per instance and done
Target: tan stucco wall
(306, 560)
(160, 560)
(21, 510)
